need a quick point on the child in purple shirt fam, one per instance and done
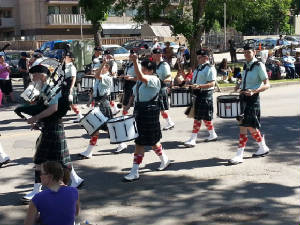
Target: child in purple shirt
(57, 205)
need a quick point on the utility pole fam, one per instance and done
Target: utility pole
(225, 47)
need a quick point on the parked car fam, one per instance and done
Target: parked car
(120, 53)
(12, 58)
(139, 45)
(294, 40)
(129, 44)
(270, 43)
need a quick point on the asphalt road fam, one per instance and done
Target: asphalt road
(197, 189)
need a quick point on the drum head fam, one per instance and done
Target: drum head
(228, 98)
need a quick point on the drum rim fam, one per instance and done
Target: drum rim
(230, 99)
(128, 117)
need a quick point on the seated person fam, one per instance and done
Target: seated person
(288, 62)
(59, 204)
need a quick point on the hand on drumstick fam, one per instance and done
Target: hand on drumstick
(248, 92)
(127, 77)
(32, 120)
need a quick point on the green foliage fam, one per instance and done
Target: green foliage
(96, 10)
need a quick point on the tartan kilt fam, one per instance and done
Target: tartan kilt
(147, 120)
(163, 99)
(128, 85)
(204, 108)
(104, 107)
(250, 106)
(51, 145)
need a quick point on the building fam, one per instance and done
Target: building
(55, 19)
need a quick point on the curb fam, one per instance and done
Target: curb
(279, 84)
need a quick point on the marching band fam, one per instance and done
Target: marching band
(146, 86)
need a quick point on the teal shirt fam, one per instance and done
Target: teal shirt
(163, 71)
(147, 91)
(255, 77)
(103, 85)
(205, 76)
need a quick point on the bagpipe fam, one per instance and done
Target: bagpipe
(38, 96)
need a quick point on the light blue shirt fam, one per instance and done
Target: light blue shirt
(208, 74)
(147, 91)
(103, 85)
(163, 71)
(289, 61)
(130, 70)
(255, 77)
(70, 70)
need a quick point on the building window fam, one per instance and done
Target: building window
(5, 13)
(131, 12)
(53, 10)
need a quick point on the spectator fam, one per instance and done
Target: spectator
(183, 57)
(23, 66)
(288, 62)
(155, 44)
(5, 82)
(297, 66)
(146, 53)
(59, 204)
(224, 69)
(168, 53)
(232, 50)
(280, 40)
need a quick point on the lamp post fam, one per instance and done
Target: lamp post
(225, 26)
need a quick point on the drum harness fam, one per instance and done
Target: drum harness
(198, 91)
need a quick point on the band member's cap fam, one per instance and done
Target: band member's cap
(2, 54)
(39, 69)
(70, 54)
(157, 51)
(24, 54)
(148, 64)
(98, 49)
(203, 52)
(248, 47)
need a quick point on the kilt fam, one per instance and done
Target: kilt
(250, 107)
(6, 86)
(104, 106)
(147, 120)
(128, 85)
(204, 108)
(51, 145)
(163, 99)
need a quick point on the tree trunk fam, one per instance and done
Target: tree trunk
(97, 33)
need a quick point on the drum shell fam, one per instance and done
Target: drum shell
(117, 86)
(228, 106)
(122, 129)
(30, 93)
(87, 82)
(180, 97)
(94, 117)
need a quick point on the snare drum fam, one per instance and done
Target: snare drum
(122, 129)
(87, 82)
(228, 106)
(117, 86)
(93, 120)
(180, 97)
(30, 93)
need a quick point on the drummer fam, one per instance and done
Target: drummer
(146, 111)
(101, 92)
(70, 79)
(163, 71)
(204, 78)
(130, 80)
(51, 144)
(254, 81)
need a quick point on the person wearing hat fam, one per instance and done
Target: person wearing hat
(254, 80)
(96, 58)
(163, 71)
(51, 144)
(70, 79)
(101, 93)
(168, 53)
(203, 82)
(146, 111)
(5, 81)
(37, 58)
(23, 67)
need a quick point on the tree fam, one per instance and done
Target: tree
(186, 19)
(96, 11)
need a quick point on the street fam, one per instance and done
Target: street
(197, 189)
